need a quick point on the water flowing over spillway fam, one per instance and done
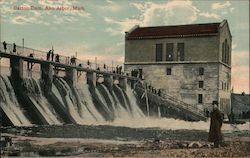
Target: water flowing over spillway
(65, 103)
(10, 105)
(28, 104)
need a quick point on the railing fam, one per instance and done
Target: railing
(42, 55)
(184, 105)
(177, 102)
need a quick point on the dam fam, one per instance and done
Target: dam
(58, 93)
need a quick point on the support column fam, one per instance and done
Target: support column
(47, 75)
(71, 75)
(91, 78)
(16, 65)
(123, 83)
(132, 84)
(108, 81)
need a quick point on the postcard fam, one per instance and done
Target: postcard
(111, 78)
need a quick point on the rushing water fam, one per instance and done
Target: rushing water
(76, 101)
(10, 105)
(84, 106)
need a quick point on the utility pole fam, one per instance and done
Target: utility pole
(146, 96)
(112, 66)
(23, 45)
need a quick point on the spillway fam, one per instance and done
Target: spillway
(65, 103)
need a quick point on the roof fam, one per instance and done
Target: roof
(174, 31)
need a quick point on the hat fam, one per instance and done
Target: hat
(215, 102)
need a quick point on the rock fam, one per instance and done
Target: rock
(157, 141)
(195, 145)
(183, 145)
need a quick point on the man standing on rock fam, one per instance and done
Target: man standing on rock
(215, 125)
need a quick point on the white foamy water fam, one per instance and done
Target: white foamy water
(10, 105)
(77, 100)
(136, 111)
(174, 124)
(70, 102)
(87, 102)
(103, 101)
(119, 110)
(41, 103)
(123, 97)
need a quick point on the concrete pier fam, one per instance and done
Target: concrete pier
(71, 75)
(91, 78)
(123, 83)
(16, 65)
(47, 75)
(108, 81)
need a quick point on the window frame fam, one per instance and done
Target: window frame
(201, 84)
(168, 71)
(156, 52)
(169, 53)
(181, 53)
(201, 71)
(200, 98)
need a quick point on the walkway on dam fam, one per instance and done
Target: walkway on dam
(39, 57)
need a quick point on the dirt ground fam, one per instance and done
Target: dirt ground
(110, 141)
(82, 147)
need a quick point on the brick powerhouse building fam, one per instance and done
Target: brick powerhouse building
(189, 62)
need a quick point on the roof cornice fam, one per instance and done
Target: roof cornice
(171, 36)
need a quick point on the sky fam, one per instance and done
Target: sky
(95, 28)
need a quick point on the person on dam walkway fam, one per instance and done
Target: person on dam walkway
(52, 55)
(4, 46)
(215, 135)
(14, 48)
(30, 64)
(48, 55)
(88, 64)
(57, 58)
(73, 60)
(79, 73)
(117, 69)
(120, 70)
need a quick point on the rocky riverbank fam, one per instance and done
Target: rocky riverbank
(103, 140)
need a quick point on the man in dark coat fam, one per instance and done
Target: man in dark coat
(215, 125)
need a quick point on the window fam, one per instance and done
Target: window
(201, 84)
(201, 71)
(170, 50)
(180, 50)
(223, 51)
(158, 52)
(200, 98)
(227, 59)
(169, 71)
(222, 85)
